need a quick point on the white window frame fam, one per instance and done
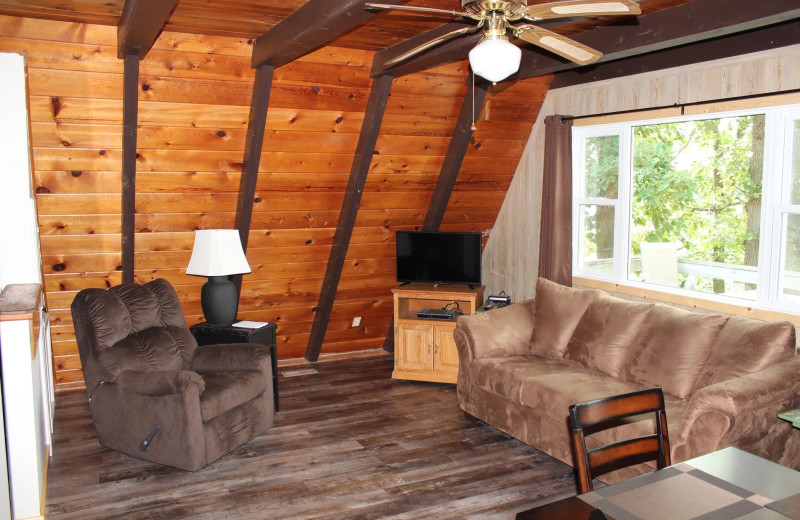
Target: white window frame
(775, 203)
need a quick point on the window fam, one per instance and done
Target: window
(708, 204)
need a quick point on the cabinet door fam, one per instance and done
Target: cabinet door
(414, 347)
(445, 352)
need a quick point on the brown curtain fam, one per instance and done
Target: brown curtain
(555, 240)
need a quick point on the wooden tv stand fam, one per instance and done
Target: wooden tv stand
(424, 349)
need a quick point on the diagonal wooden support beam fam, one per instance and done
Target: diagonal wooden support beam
(370, 128)
(312, 25)
(256, 124)
(473, 102)
(140, 24)
(688, 23)
(447, 52)
(130, 116)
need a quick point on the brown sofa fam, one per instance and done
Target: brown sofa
(725, 379)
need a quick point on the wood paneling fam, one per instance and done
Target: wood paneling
(194, 95)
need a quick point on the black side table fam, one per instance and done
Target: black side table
(208, 334)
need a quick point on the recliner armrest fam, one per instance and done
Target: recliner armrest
(497, 333)
(159, 382)
(232, 356)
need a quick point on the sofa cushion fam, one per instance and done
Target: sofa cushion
(605, 333)
(672, 348)
(554, 391)
(744, 346)
(558, 311)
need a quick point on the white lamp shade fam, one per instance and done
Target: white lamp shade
(217, 252)
(495, 59)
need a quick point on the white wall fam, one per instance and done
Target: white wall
(19, 239)
(510, 258)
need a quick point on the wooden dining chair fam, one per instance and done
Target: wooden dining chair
(607, 412)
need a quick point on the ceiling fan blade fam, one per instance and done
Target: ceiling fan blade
(582, 8)
(561, 45)
(430, 43)
(430, 10)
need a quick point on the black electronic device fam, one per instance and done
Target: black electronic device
(500, 300)
(438, 314)
(439, 257)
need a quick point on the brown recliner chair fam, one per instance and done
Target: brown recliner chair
(154, 394)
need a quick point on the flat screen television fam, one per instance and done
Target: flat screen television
(438, 257)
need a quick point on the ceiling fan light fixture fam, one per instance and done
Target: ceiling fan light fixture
(495, 58)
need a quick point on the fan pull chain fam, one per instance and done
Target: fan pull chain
(472, 126)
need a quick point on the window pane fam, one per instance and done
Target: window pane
(791, 267)
(795, 189)
(696, 205)
(602, 167)
(596, 250)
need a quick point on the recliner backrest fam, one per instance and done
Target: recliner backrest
(131, 326)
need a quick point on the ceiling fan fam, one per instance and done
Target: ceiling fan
(494, 54)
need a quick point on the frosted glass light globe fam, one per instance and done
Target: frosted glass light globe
(495, 58)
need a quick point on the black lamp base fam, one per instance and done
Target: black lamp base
(219, 300)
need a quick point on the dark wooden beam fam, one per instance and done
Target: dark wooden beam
(757, 40)
(447, 52)
(254, 140)
(312, 25)
(130, 116)
(688, 23)
(140, 24)
(370, 128)
(471, 106)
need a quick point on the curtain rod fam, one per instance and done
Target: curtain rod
(682, 106)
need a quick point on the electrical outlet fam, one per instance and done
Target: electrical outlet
(356, 321)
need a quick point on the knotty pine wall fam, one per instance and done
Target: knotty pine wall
(193, 106)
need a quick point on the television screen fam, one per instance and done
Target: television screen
(433, 257)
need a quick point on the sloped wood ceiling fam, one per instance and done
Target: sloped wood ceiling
(194, 93)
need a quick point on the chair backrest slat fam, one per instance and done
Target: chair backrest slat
(608, 412)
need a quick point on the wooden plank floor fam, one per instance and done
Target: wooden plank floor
(349, 442)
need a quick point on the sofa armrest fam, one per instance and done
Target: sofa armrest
(159, 382)
(232, 356)
(497, 333)
(742, 412)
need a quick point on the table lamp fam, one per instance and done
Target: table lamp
(218, 253)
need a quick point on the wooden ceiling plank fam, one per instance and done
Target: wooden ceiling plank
(140, 24)
(757, 40)
(376, 106)
(688, 23)
(314, 24)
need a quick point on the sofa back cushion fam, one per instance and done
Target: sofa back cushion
(745, 346)
(672, 349)
(558, 311)
(606, 332)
